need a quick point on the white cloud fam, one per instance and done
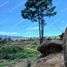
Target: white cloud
(9, 33)
(30, 34)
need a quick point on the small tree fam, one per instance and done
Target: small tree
(36, 10)
(61, 36)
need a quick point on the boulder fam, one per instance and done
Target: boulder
(50, 47)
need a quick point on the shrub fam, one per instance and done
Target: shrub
(11, 52)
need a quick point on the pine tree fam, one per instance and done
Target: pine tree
(36, 11)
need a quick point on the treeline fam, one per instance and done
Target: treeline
(5, 40)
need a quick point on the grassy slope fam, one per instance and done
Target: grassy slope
(30, 51)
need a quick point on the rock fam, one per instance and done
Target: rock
(55, 60)
(50, 47)
(65, 47)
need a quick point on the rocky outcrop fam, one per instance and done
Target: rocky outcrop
(65, 47)
(50, 47)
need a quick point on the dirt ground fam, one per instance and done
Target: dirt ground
(54, 60)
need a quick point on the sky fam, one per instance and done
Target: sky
(12, 23)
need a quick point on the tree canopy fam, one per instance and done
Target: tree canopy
(37, 8)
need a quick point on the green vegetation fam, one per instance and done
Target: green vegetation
(31, 51)
(11, 54)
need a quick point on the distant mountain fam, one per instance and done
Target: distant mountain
(12, 37)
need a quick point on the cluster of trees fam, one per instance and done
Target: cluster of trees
(5, 40)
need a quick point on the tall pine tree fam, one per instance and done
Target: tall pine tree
(37, 10)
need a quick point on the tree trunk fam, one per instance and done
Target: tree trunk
(40, 31)
(41, 24)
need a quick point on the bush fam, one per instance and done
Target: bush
(11, 52)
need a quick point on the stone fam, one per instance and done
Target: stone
(50, 47)
(65, 47)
